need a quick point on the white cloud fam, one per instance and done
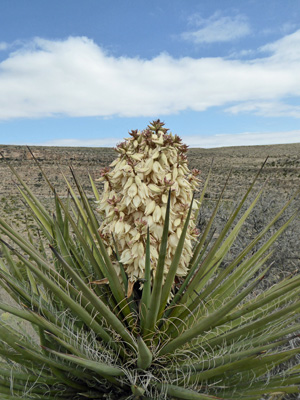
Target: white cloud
(217, 28)
(284, 29)
(220, 140)
(284, 49)
(288, 27)
(102, 142)
(243, 139)
(3, 46)
(75, 77)
(266, 109)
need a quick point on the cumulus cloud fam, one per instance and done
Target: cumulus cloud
(220, 140)
(217, 28)
(75, 77)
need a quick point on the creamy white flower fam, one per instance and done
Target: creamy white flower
(157, 214)
(164, 198)
(177, 222)
(126, 256)
(160, 140)
(155, 154)
(138, 180)
(135, 196)
(136, 201)
(157, 168)
(174, 173)
(154, 188)
(132, 191)
(127, 227)
(178, 232)
(163, 160)
(119, 227)
(137, 157)
(157, 231)
(143, 191)
(150, 207)
(128, 183)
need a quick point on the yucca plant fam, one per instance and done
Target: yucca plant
(142, 308)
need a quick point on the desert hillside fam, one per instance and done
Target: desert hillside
(281, 175)
(282, 168)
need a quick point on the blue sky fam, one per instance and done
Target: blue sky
(84, 73)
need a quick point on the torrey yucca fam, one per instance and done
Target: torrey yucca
(144, 308)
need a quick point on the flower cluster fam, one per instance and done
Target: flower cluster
(150, 164)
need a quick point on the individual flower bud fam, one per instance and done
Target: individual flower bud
(154, 188)
(132, 191)
(150, 207)
(136, 201)
(157, 214)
